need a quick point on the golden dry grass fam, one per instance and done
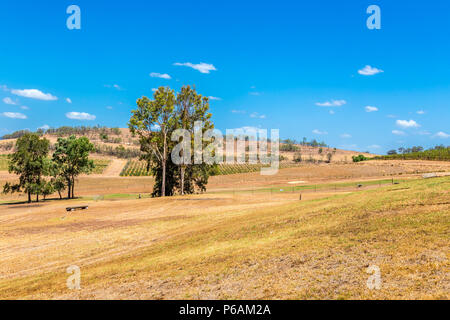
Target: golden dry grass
(225, 246)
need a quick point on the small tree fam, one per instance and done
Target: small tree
(298, 157)
(391, 152)
(72, 156)
(47, 189)
(329, 157)
(58, 181)
(30, 162)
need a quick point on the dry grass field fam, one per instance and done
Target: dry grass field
(235, 244)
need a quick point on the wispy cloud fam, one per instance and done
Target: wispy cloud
(348, 146)
(442, 135)
(109, 107)
(369, 71)
(346, 136)
(115, 86)
(374, 146)
(254, 93)
(392, 116)
(316, 131)
(80, 116)
(238, 111)
(245, 130)
(407, 124)
(214, 98)
(201, 67)
(420, 112)
(14, 115)
(34, 94)
(24, 108)
(398, 133)
(371, 109)
(332, 103)
(44, 127)
(160, 75)
(257, 115)
(68, 100)
(9, 101)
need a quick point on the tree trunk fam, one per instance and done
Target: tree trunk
(73, 188)
(60, 196)
(37, 197)
(182, 180)
(69, 188)
(29, 196)
(163, 188)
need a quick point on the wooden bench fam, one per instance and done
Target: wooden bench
(69, 209)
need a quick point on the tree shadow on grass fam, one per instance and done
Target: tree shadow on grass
(25, 204)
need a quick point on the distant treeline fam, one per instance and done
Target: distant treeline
(290, 145)
(440, 153)
(119, 151)
(66, 131)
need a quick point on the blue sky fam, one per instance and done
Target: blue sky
(297, 66)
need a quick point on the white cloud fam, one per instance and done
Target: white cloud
(9, 101)
(201, 67)
(424, 133)
(68, 100)
(369, 71)
(160, 75)
(331, 112)
(109, 107)
(332, 103)
(245, 130)
(442, 135)
(115, 86)
(257, 115)
(44, 127)
(407, 124)
(420, 112)
(214, 98)
(398, 132)
(316, 131)
(373, 146)
(392, 116)
(154, 89)
(14, 115)
(346, 136)
(238, 111)
(34, 94)
(348, 146)
(371, 109)
(24, 108)
(80, 116)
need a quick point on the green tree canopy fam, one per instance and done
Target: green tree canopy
(30, 162)
(72, 158)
